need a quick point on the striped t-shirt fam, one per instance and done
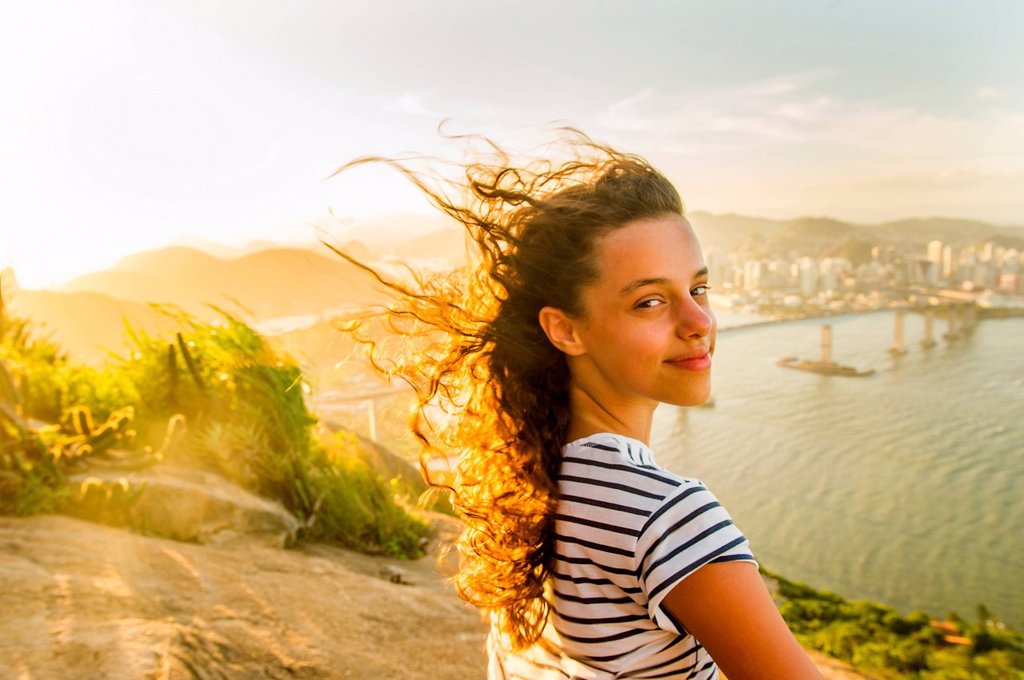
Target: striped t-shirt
(626, 532)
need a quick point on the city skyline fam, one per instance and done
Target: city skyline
(135, 126)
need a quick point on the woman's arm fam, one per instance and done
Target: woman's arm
(728, 609)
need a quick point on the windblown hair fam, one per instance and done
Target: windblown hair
(493, 392)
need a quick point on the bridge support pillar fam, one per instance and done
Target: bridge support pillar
(897, 340)
(929, 329)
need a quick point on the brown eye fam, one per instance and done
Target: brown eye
(648, 303)
(700, 290)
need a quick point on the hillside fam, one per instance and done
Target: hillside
(819, 235)
(86, 325)
(269, 283)
(957, 232)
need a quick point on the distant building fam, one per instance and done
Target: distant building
(924, 271)
(719, 271)
(1010, 284)
(833, 272)
(948, 263)
(752, 274)
(808, 273)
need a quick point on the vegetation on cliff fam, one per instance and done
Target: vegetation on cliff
(879, 640)
(214, 395)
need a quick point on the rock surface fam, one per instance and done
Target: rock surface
(192, 505)
(81, 600)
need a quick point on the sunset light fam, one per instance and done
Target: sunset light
(461, 340)
(131, 126)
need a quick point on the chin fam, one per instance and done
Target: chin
(694, 397)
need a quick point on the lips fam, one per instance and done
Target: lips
(692, 362)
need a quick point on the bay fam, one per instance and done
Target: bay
(906, 487)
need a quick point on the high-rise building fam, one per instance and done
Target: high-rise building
(808, 269)
(948, 263)
(752, 274)
(988, 251)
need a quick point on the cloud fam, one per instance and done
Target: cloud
(410, 104)
(792, 112)
(767, 145)
(990, 93)
(625, 115)
(772, 110)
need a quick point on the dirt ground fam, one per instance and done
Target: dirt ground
(80, 600)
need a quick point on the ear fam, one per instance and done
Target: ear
(561, 330)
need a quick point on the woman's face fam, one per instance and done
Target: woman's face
(647, 330)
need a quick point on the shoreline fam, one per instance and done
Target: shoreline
(773, 321)
(967, 456)
(984, 313)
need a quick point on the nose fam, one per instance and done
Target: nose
(696, 320)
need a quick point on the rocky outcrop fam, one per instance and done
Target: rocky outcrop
(188, 505)
(84, 601)
(80, 600)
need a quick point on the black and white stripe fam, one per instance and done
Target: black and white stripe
(626, 532)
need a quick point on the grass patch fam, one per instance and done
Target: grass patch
(213, 395)
(890, 645)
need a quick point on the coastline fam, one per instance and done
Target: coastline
(1007, 312)
(867, 464)
(824, 314)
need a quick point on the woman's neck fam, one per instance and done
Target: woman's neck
(591, 415)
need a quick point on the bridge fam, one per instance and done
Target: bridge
(958, 307)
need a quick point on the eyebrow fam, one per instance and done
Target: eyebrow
(657, 281)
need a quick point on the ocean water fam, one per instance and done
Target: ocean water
(906, 487)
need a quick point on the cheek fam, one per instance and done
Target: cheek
(629, 349)
(642, 348)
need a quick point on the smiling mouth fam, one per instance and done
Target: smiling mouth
(693, 362)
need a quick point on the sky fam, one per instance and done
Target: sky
(127, 126)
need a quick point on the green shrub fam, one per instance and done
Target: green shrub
(246, 403)
(877, 639)
(215, 395)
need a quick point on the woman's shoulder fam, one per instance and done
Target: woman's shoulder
(609, 448)
(618, 463)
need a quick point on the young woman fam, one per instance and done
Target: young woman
(538, 370)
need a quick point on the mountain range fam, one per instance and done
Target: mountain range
(821, 236)
(298, 287)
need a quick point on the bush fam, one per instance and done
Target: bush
(250, 422)
(880, 641)
(214, 395)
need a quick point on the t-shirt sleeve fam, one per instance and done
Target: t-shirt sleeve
(689, 530)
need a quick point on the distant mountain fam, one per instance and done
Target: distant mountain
(725, 231)
(175, 260)
(447, 244)
(227, 252)
(88, 326)
(291, 288)
(403, 236)
(267, 283)
(821, 235)
(952, 231)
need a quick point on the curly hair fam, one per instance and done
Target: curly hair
(493, 392)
